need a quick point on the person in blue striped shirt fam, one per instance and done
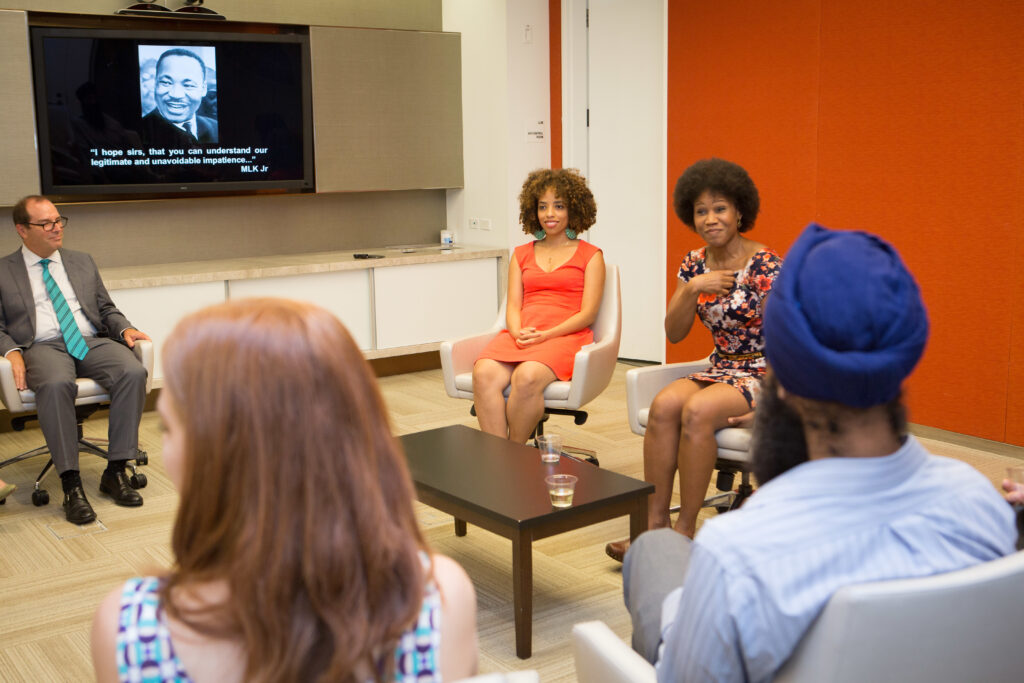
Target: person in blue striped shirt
(846, 494)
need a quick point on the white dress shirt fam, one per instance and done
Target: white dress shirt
(47, 326)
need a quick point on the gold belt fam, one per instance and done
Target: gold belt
(740, 356)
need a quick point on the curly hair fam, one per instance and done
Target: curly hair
(570, 186)
(720, 176)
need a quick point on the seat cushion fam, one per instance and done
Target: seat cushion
(556, 391)
(88, 392)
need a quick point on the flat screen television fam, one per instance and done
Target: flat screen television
(124, 113)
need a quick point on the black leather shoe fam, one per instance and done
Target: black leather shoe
(76, 506)
(115, 485)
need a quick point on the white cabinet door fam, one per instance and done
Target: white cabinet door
(346, 294)
(431, 302)
(156, 310)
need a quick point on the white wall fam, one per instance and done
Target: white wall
(505, 92)
(529, 102)
(485, 117)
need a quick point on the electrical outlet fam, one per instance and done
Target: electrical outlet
(474, 223)
(484, 223)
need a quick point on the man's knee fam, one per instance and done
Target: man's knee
(664, 551)
(55, 388)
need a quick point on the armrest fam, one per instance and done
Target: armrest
(643, 384)
(8, 392)
(602, 656)
(592, 370)
(459, 355)
(143, 350)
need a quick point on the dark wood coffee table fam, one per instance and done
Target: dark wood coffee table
(499, 486)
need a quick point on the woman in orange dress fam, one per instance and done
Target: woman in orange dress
(554, 292)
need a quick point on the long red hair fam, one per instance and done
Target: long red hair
(294, 493)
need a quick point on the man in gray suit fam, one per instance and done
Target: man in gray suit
(57, 322)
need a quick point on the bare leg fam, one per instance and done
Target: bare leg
(490, 377)
(526, 399)
(705, 412)
(661, 447)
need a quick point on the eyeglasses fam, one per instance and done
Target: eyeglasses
(50, 226)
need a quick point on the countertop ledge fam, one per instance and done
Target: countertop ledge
(250, 268)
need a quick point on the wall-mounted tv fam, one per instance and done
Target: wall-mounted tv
(160, 113)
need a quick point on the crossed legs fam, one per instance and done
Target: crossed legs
(517, 417)
(680, 437)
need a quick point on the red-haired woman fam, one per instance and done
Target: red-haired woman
(297, 556)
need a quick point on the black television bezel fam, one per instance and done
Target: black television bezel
(168, 190)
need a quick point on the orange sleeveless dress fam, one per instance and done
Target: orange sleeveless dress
(548, 299)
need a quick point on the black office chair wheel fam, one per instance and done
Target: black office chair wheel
(142, 460)
(40, 497)
(138, 481)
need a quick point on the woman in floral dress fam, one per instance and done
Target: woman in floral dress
(724, 283)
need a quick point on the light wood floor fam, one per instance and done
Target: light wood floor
(53, 574)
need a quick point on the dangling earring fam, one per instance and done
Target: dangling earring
(570, 233)
(539, 235)
(739, 223)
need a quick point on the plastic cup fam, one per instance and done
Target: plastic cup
(560, 488)
(550, 446)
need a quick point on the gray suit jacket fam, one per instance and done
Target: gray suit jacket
(18, 310)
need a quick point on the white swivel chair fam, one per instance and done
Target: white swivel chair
(602, 657)
(643, 384)
(959, 626)
(592, 368)
(91, 397)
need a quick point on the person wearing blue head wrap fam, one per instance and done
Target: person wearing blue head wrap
(845, 321)
(845, 495)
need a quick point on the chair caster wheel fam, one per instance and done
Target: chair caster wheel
(143, 459)
(138, 481)
(40, 497)
(723, 508)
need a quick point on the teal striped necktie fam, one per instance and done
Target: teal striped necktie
(73, 338)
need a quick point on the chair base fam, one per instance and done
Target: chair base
(41, 496)
(578, 416)
(727, 499)
(575, 452)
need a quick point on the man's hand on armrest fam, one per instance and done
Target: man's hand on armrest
(131, 335)
(18, 368)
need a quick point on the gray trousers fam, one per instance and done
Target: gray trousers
(654, 566)
(51, 373)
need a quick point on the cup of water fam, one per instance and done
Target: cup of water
(550, 446)
(560, 488)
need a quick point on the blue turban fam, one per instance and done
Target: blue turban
(844, 321)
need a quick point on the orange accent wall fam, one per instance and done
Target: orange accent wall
(555, 60)
(905, 119)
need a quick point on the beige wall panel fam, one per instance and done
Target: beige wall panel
(175, 230)
(387, 109)
(20, 175)
(414, 15)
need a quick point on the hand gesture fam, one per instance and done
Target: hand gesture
(529, 336)
(715, 282)
(18, 368)
(744, 420)
(1014, 491)
(131, 335)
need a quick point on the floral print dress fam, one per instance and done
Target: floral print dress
(735, 321)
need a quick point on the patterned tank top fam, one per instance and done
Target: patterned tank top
(145, 652)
